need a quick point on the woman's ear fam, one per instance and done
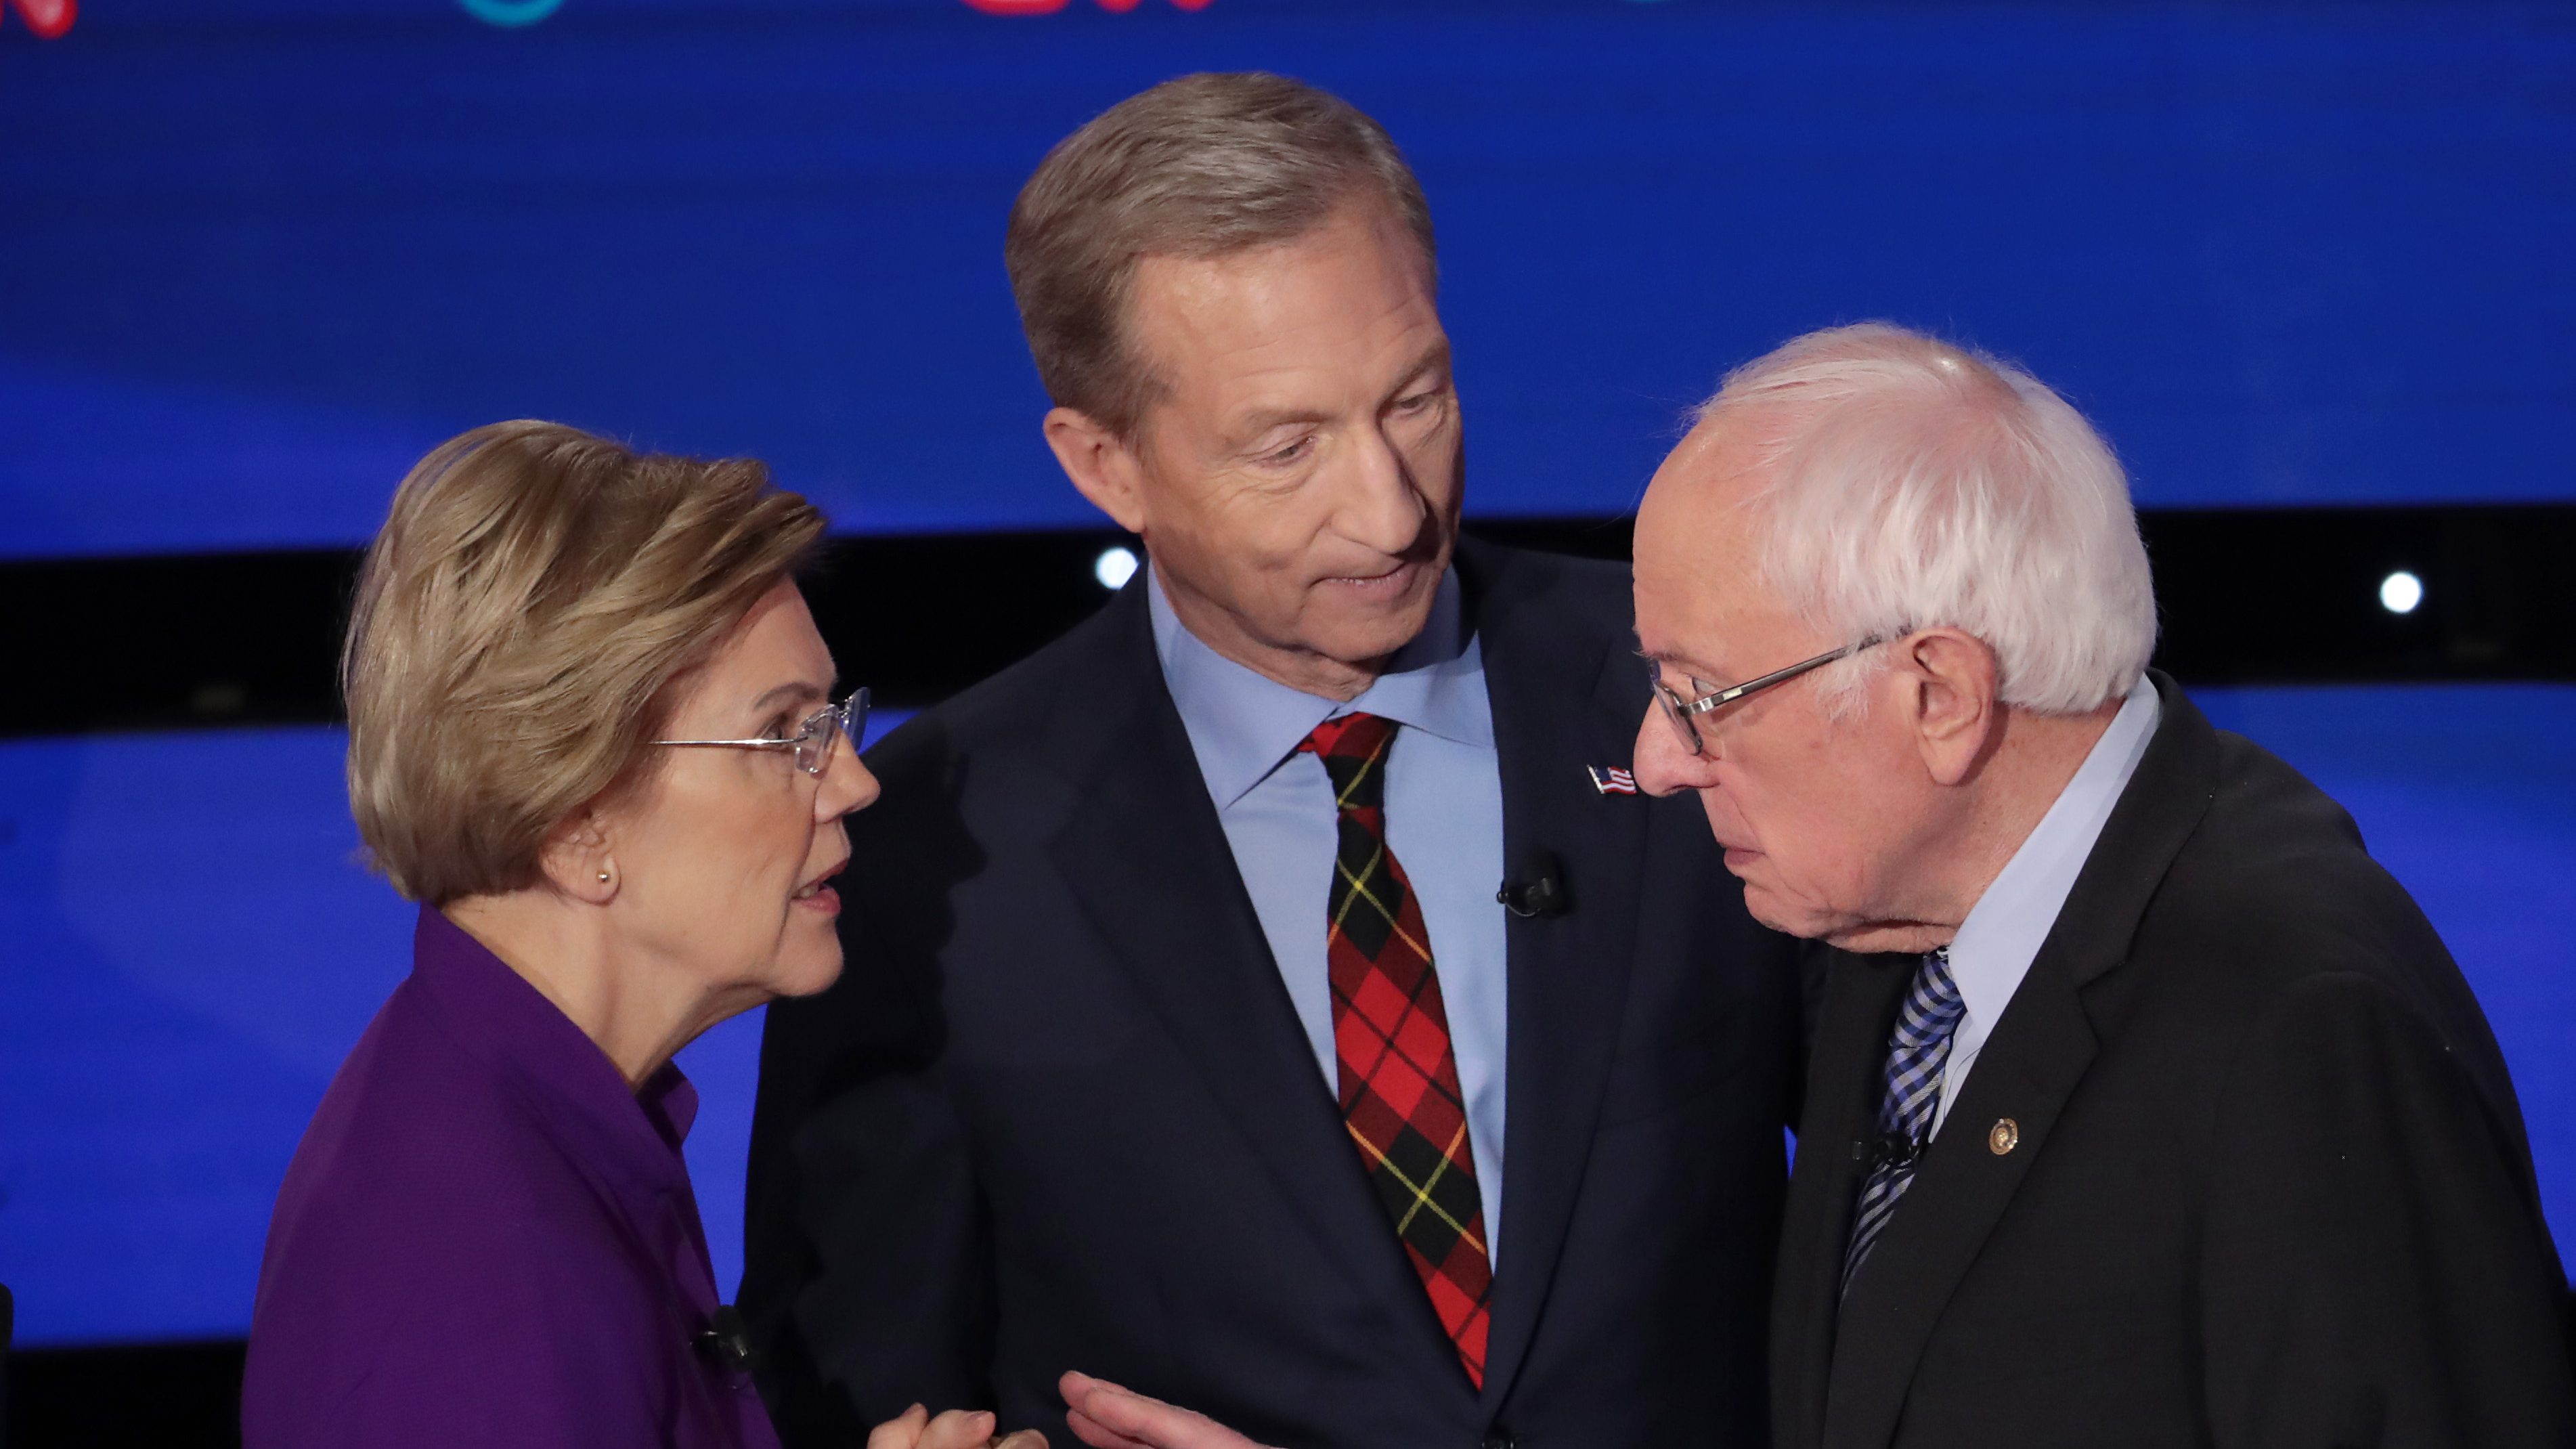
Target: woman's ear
(578, 860)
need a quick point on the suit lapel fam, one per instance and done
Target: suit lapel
(1843, 1086)
(1145, 855)
(2030, 1067)
(1557, 706)
(2039, 1051)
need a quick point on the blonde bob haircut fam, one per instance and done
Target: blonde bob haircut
(519, 627)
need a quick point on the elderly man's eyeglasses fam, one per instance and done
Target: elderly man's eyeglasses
(813, 739)
(1684, 713)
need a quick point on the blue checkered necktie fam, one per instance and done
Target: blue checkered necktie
(1916, 1052)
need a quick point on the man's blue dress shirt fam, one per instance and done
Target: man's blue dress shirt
(1444, 822)
(2006, 927)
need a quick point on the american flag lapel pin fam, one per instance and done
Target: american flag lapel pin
(1611, 780)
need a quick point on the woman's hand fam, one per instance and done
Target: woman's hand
(956, 1429)
(1106, 1416)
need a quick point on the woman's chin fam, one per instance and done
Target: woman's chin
(804, 973)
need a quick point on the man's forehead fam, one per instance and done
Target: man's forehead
(1697, 502)
(1253, 356)
(1696, 572)
(1716, 464)
(1339, 297)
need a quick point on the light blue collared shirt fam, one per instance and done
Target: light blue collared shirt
(2005, 928)
(1444, 821)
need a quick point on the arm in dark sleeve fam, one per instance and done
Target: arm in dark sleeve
(866, 1273)
(2374, 1269)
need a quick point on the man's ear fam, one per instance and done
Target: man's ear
(579, 862)
(1103, 467)
(1950, 689)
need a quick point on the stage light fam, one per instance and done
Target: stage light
(511, 14)
(2400, 592)
(1114, 567)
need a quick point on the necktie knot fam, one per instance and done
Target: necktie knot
(1353, 749)
(1933, 1005)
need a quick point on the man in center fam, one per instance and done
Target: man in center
(1255, 997)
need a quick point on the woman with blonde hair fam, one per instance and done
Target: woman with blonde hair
(594, 733)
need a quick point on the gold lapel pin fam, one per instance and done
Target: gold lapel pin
(2004, 1136)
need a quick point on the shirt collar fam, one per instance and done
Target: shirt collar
(2005, 928)
(1243, 724)
(498, 1017)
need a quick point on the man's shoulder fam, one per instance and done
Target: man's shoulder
(1523, 597)
(1011, 710)
(2275, 897)
(2276, 858)
(1553, 622)
(2281, 946)
(1515, 585)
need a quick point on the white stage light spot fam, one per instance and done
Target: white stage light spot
(2400, 592)
(1115, 567)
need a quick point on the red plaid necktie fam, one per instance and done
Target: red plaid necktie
(1399, 1078)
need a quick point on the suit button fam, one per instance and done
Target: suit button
(1500, 1439)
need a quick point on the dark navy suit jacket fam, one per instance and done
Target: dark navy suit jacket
(1059, 1112)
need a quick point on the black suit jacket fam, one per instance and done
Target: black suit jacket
(1059, 1112)
(2270, 1186)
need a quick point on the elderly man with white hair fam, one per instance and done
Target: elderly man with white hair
(2144, 1107)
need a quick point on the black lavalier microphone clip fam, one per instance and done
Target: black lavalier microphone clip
(726, 1340)
(1895, 1149)
(1540, 891)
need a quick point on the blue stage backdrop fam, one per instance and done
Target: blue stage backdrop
(187, 949)
(255, 257)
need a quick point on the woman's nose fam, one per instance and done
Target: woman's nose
(848, 785)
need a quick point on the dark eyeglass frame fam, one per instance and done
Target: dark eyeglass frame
(1684, 713)
(812, 741)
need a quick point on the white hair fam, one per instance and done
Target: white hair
(1906, 483)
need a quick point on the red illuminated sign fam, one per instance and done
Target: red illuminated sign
(50, 18)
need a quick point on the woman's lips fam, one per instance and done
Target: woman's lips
(818, 894)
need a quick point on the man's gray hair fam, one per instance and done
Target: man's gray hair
(1196, 167)
(1908, 483)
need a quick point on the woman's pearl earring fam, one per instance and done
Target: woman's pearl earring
(603, 877)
